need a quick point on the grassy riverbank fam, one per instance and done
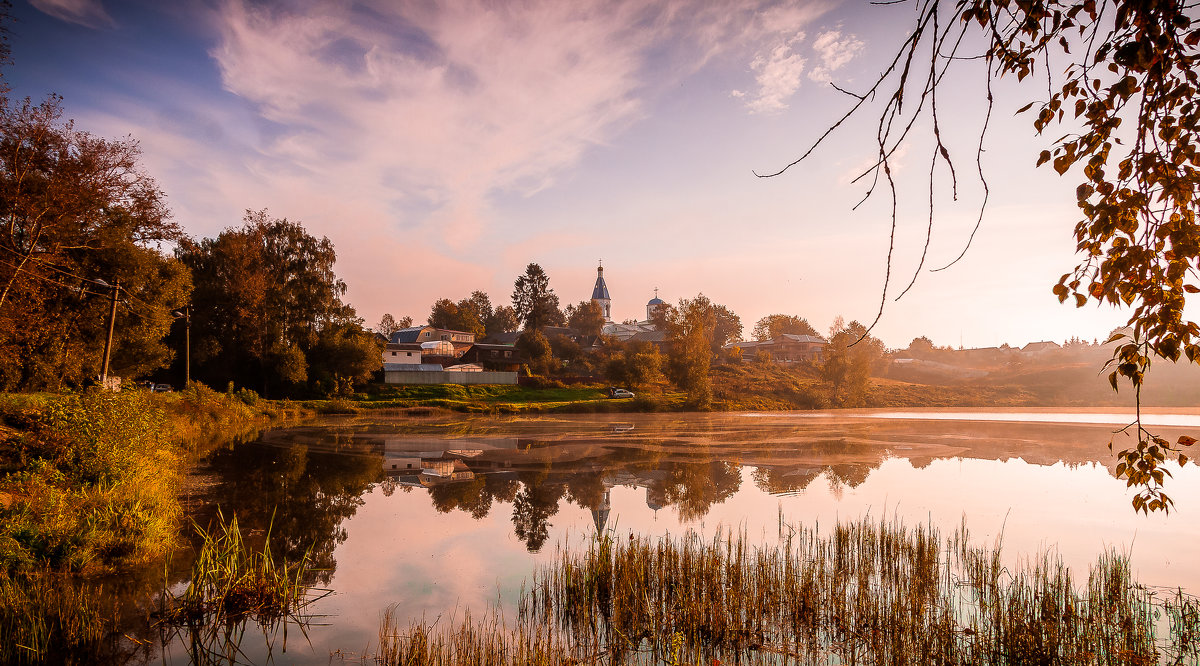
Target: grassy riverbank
(91, 483)
(735, 387)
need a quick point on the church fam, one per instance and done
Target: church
(637, 331)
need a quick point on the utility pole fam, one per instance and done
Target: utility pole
(187, 349)
(112, 320)
(186, 314)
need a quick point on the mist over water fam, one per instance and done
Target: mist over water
(440, 516)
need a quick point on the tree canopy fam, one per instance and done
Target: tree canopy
(534, 302)
(775, 325)
(587, 317)
(265, 294)
(78, 217)
(1120, 78)
(696, 330)
(388, 324)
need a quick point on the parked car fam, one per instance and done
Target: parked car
(163, 388)
(622, 393)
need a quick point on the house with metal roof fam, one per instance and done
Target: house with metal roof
(786, 348)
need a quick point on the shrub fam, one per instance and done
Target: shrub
(97, 487)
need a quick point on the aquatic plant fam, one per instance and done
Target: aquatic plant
(50, 618)
(233, 583)
(862, 593)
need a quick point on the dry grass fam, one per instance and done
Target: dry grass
(864, 593)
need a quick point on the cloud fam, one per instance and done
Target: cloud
(779, 67)
(778, 75)
(88, 13)
(834, 50)
(434, 107)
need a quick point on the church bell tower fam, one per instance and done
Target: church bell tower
(600, 294)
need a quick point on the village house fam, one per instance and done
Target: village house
(786, 348)
(425, 348)
(494, 357)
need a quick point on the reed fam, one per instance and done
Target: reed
(52, 618)
(861, 593)
(233, 583)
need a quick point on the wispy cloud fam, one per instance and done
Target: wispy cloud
(778, 75)
(88, 13)
(834, 49)
(436, 106)
(779, 66)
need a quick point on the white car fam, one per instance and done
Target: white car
(622, 393)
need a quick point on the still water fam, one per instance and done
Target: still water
(438, 515)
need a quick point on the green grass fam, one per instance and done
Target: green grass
(504, 399)
(90, 484)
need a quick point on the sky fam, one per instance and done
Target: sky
(443, 146)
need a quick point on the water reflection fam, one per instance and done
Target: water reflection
(444, 514)
(309, 480)
(299, 490)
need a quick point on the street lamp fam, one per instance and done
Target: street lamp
(186, 315)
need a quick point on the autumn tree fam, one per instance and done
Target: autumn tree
(639, 366)
(1121, 79)
(587, 317)
(389, 324)
(691, 332)
(503, 320)
(534, 346)
(263, 294)
(775, 325)
(344, 354)
(80, 220)
(850, 358)
(447, 314)
(534, 302)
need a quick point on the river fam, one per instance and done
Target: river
(438, 515)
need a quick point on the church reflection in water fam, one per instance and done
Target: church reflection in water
(308, 480)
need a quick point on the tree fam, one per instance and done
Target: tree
(851, 356)
(263, 294)
(389, 324)
(534, 346)
(639, 366)
(78, 216)
(1127, 95)
(691, 333)
(587, 318)
(534, 301)
(503, 320)
(728, 327)
(773, 326)
(479, 305)
(345, 354)
(471, 314)
(60, 188)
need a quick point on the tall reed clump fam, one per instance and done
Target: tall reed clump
(863, 593)
(50, 618)
(231, 583)
(89, 484)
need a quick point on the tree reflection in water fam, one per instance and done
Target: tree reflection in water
(301, 493)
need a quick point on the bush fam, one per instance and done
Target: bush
(249, 397)
(97, 488)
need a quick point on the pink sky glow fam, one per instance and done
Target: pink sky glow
(443, 146)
